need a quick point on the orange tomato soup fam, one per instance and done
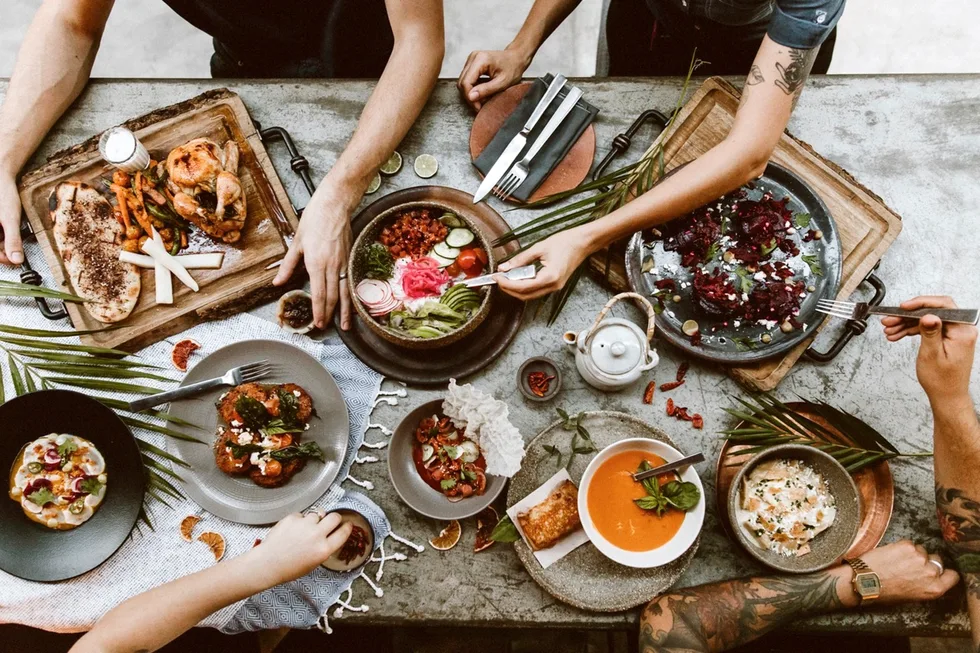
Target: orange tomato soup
(614, 513)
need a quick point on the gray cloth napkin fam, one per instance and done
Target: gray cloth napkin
(554, 150)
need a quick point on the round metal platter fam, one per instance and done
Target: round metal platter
(739, 345)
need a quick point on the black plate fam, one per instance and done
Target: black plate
(719, 346)
(30, 550)
(434, 367)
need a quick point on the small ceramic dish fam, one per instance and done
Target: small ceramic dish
(828, 547)
(414, 490)
(676, 546)
(539, 364)
(360, 551)
(295, 312)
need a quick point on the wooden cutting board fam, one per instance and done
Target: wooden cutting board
(867, 226)
(241, 282)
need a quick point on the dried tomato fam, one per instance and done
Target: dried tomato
(648, 393)
(664, 387)
(539, 383)
(682, 414)
(671, 409)
(697, 421)
(682, 371)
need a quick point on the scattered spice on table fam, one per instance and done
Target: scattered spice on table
(682, 371)
(355, 546)
(697, 421)
(648, 393)
(539, 383)
(664, 387)
(680, 413)
(671, 408)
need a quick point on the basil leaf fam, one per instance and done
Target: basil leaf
(505, 531)
(254, 415)
(305, 450)
(657, 503)
(682, 495)
(288, 408)
(552, 449)
(651, 485)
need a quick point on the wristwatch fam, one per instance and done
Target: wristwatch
(866, 583)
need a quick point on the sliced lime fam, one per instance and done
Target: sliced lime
(374, 185)
(426, 166)
(392, 165)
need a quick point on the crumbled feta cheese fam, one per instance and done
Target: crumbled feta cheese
(791, 231)
(254, 458)
(737, 323)
(223, 397)
(306, 427)
(245, 438)
(297, 393)
(235, 422)
(732, 296)
(745, 296)
(759, 276)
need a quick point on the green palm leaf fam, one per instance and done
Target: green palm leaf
(57, 346)
(36, 291)
(83, 360)
(46, 333)
(116, 404)
(156, 428)
(95, 384)
(15, 376)
(77, 369)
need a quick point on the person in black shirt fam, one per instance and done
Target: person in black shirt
(774, 42)
(400, 40)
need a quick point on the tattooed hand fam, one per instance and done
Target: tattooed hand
(724, 615)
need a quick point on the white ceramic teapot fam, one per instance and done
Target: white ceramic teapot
(613, 352)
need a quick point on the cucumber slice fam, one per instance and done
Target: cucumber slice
(460, 237)
(445, 251)
(451, 220)
(443, 261)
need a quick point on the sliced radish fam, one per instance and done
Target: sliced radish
(161, 276)
(372, 291)
(161, 255)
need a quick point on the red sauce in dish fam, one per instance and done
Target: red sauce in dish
(451, 469)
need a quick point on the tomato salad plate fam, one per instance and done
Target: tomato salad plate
(737, 280)
(269, 448)
(75, 489)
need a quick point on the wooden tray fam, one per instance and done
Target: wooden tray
(867, 227)
(875, 487)
(434, 367)
(241, 282)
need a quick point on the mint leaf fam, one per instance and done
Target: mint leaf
(41, 497)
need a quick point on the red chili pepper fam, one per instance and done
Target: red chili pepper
(539, 383)
(697, 421)
(682, 371)
(664, 387)
(648, 393)
(257, 542)
(671, 409)
(682, 414)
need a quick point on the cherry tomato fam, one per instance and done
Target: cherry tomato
(467, 260)
(273, 468)
(453, 270)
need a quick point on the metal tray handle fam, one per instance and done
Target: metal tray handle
(853, 327)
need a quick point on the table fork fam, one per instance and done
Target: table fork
(234, 376)
(513, 180)
(861, 310)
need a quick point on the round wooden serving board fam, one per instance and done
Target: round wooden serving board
(570, 171)
(875, 485)
(585, 578)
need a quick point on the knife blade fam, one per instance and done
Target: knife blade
(513, 149)
(517, 274)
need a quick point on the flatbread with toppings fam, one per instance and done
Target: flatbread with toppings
(89, 239)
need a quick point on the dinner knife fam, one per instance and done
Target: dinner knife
(513, 149)
(669, 467)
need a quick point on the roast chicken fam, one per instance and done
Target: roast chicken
(207, 191)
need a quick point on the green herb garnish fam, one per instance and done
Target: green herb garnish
(801, 220)
(254, 415)
(681, 495)
(41, 497)
(505, 531)
(305, 450)
(770, 247)
(744, 343)
(288, 408)
(813, 263)
(66, 449)
(745, 282)
(91, 486)
(378, 262)
(447, 483)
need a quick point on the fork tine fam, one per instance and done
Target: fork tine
(834, 302)
(509, 188)
(249, 366)
(256, 374)
(845, 316)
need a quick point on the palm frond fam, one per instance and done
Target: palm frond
(15, 376)
(57, 346)
(47, 333)
(766, 422)
(101, 361)
(95, 371)
(95, 384)
(117, 404)
(156, 428)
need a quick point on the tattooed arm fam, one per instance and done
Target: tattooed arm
(724, 615)
(943, 366)
(772, 88)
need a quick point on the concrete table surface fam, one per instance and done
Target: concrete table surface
(914, 140)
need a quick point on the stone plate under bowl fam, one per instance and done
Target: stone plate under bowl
(355, 273)
(413, 490)
(539, 364)
(827, 548)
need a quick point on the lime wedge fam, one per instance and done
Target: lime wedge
(374, 185)
(392, 165)
(426, 166)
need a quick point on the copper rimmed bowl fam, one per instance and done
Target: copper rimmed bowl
(356, 274)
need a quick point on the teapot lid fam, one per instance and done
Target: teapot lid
(616, 347)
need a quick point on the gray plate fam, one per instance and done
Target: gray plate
(828, 547)
(585, 578)
(238, 499)
(414, 491)
(719, 346)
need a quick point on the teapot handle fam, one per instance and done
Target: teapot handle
(641, 300)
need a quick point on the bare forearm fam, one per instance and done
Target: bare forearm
(732, 613)
(392, 109)
(150, 620)
(543, 19)
(52, 68)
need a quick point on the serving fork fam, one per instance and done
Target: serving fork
(861, 310)
(513, 180)
(234, 376)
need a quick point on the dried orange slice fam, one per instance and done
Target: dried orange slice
(448, 538)
(486, 520)
(182, 352)
(215, 542)
(187, 525)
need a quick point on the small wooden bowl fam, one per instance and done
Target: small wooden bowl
(355, 274)
(539, 364)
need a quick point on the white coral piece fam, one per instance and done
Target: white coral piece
(484, 419)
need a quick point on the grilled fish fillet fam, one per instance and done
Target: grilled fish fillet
(89, 239)
(553, 518)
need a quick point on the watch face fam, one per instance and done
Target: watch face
(868, 584)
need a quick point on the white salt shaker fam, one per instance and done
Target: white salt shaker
(120, 147)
